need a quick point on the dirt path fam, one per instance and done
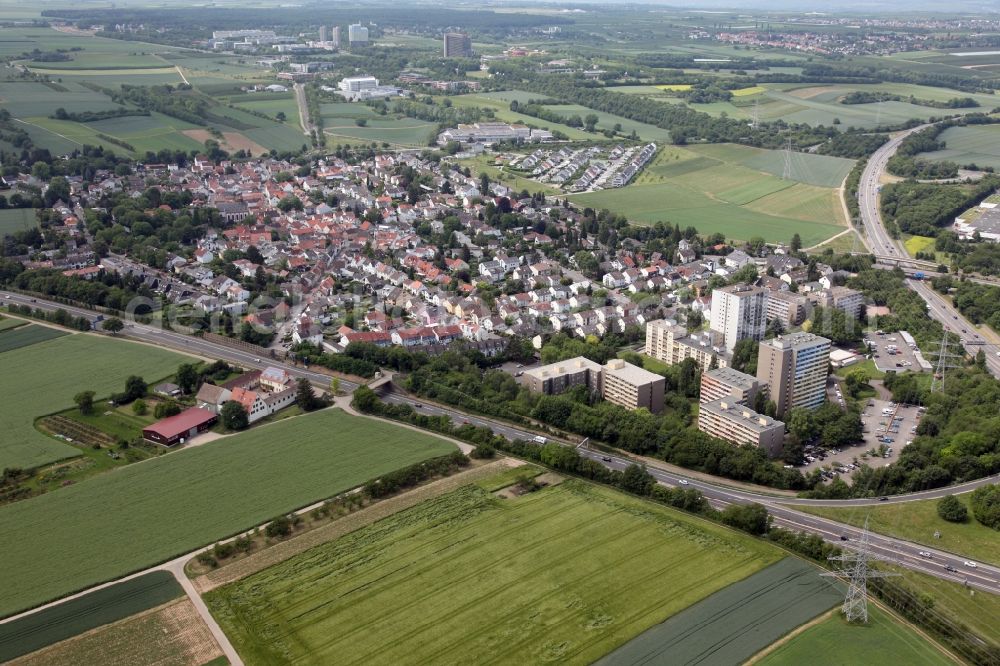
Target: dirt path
(790, 635)
(283, 550)
(176, 567)
(181, 72)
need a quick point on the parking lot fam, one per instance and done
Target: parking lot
(890, 351)
(888, 428)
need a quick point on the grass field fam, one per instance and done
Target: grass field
(644, 131)
(834, 642)
(917, 521)
(44, 377)
(16, 219)
(7, 323)
(979, 611)
(564, 574)
(736, 622)
(976, 144)
(733, 190)
(145, 513)
(24, 336)
(914, 244)
(84, 613)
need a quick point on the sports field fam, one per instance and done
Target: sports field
(834, 642)
(733, 190)
(976, 144)
(113, 524)
(563, 575)
(16, 219)
(42, 378)
(84, 613)
(918, 521)
(738, 621)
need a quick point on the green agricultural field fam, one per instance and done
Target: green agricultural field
(145, 133)
(16, 219)
(976, 144)
(820, 170)
(112, 524)
(738, 621)
(84, 613)
(24, 336)
(917, 521)
(563, 574)
(833, 642)
(43, 378)
(401, 132)
(644, 131)
(31, 99)
(100, 61)
(6, 323)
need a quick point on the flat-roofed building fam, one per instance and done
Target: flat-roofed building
(741, 425)
(632, 387)
(787, 307)
(668, 342)
(728, 384)
(739, 311)
(558, 377)
(457, 45)
(794, 367)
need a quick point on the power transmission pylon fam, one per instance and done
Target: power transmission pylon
(944, 362)
(756, 112)
(857, 573)
(786, 172)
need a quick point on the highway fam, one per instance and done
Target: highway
(902, 552)
(881, 243)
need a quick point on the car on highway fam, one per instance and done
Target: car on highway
(883, 499)
(950, 568)
(924, 553)
(683, 482)
(844, 537)
(417, 405)
(970, 564)
(606, 458)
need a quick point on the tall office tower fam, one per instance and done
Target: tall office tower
(457, 45)
(794, 367)
(357, 35)
(739, 311)
(335, 36)
(323, 33)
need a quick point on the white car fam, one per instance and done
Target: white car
(924, 553)
(971, 564)
(683, 482)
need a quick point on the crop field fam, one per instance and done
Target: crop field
(976, 144)
(43, 378)
(883, 640)
(27, 335)
(738, 621)
(170, 634)
(27, 98)
(732, 190)
(97, 530)
(16, 219)
(6, 323)
(820, 170)
(918, 521)
(401, 132)
(563, 574)
(84, 613)
(17, 40)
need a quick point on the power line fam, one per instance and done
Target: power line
(944, 362)
(857, 573)
(786, 173)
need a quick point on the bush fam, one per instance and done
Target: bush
(223, 550)
(951, 509)
(206, 558)
(752, 518)
(279, 527)
(986, 505)
(140, 408)
(483, 452)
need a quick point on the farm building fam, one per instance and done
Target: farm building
(183, 426)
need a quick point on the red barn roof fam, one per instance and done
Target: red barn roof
(176, 425)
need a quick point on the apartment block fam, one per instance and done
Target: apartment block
(730, 385)
(457, 45)
(632, 387)
(558, 377)
(787, 307)
(741, 425)
(794, 367)
(739, 311)
(849, 300)
(668, 342)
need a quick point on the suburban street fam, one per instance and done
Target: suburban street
(903, 553)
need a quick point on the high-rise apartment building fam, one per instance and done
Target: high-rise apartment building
(357, 35)
(730, 385)
(335, 36)
(794, 367)
(323, 33)
(457, 45)
(739, 311)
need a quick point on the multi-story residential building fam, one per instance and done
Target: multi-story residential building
(849, 300)
(323, 33)
(787, 307)
(735, 423)
(794, 367)
(671, 343)
(739, 311)
(558, 377)
(728, 384)
(357, 35)
(632, 387)
(457, 45)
